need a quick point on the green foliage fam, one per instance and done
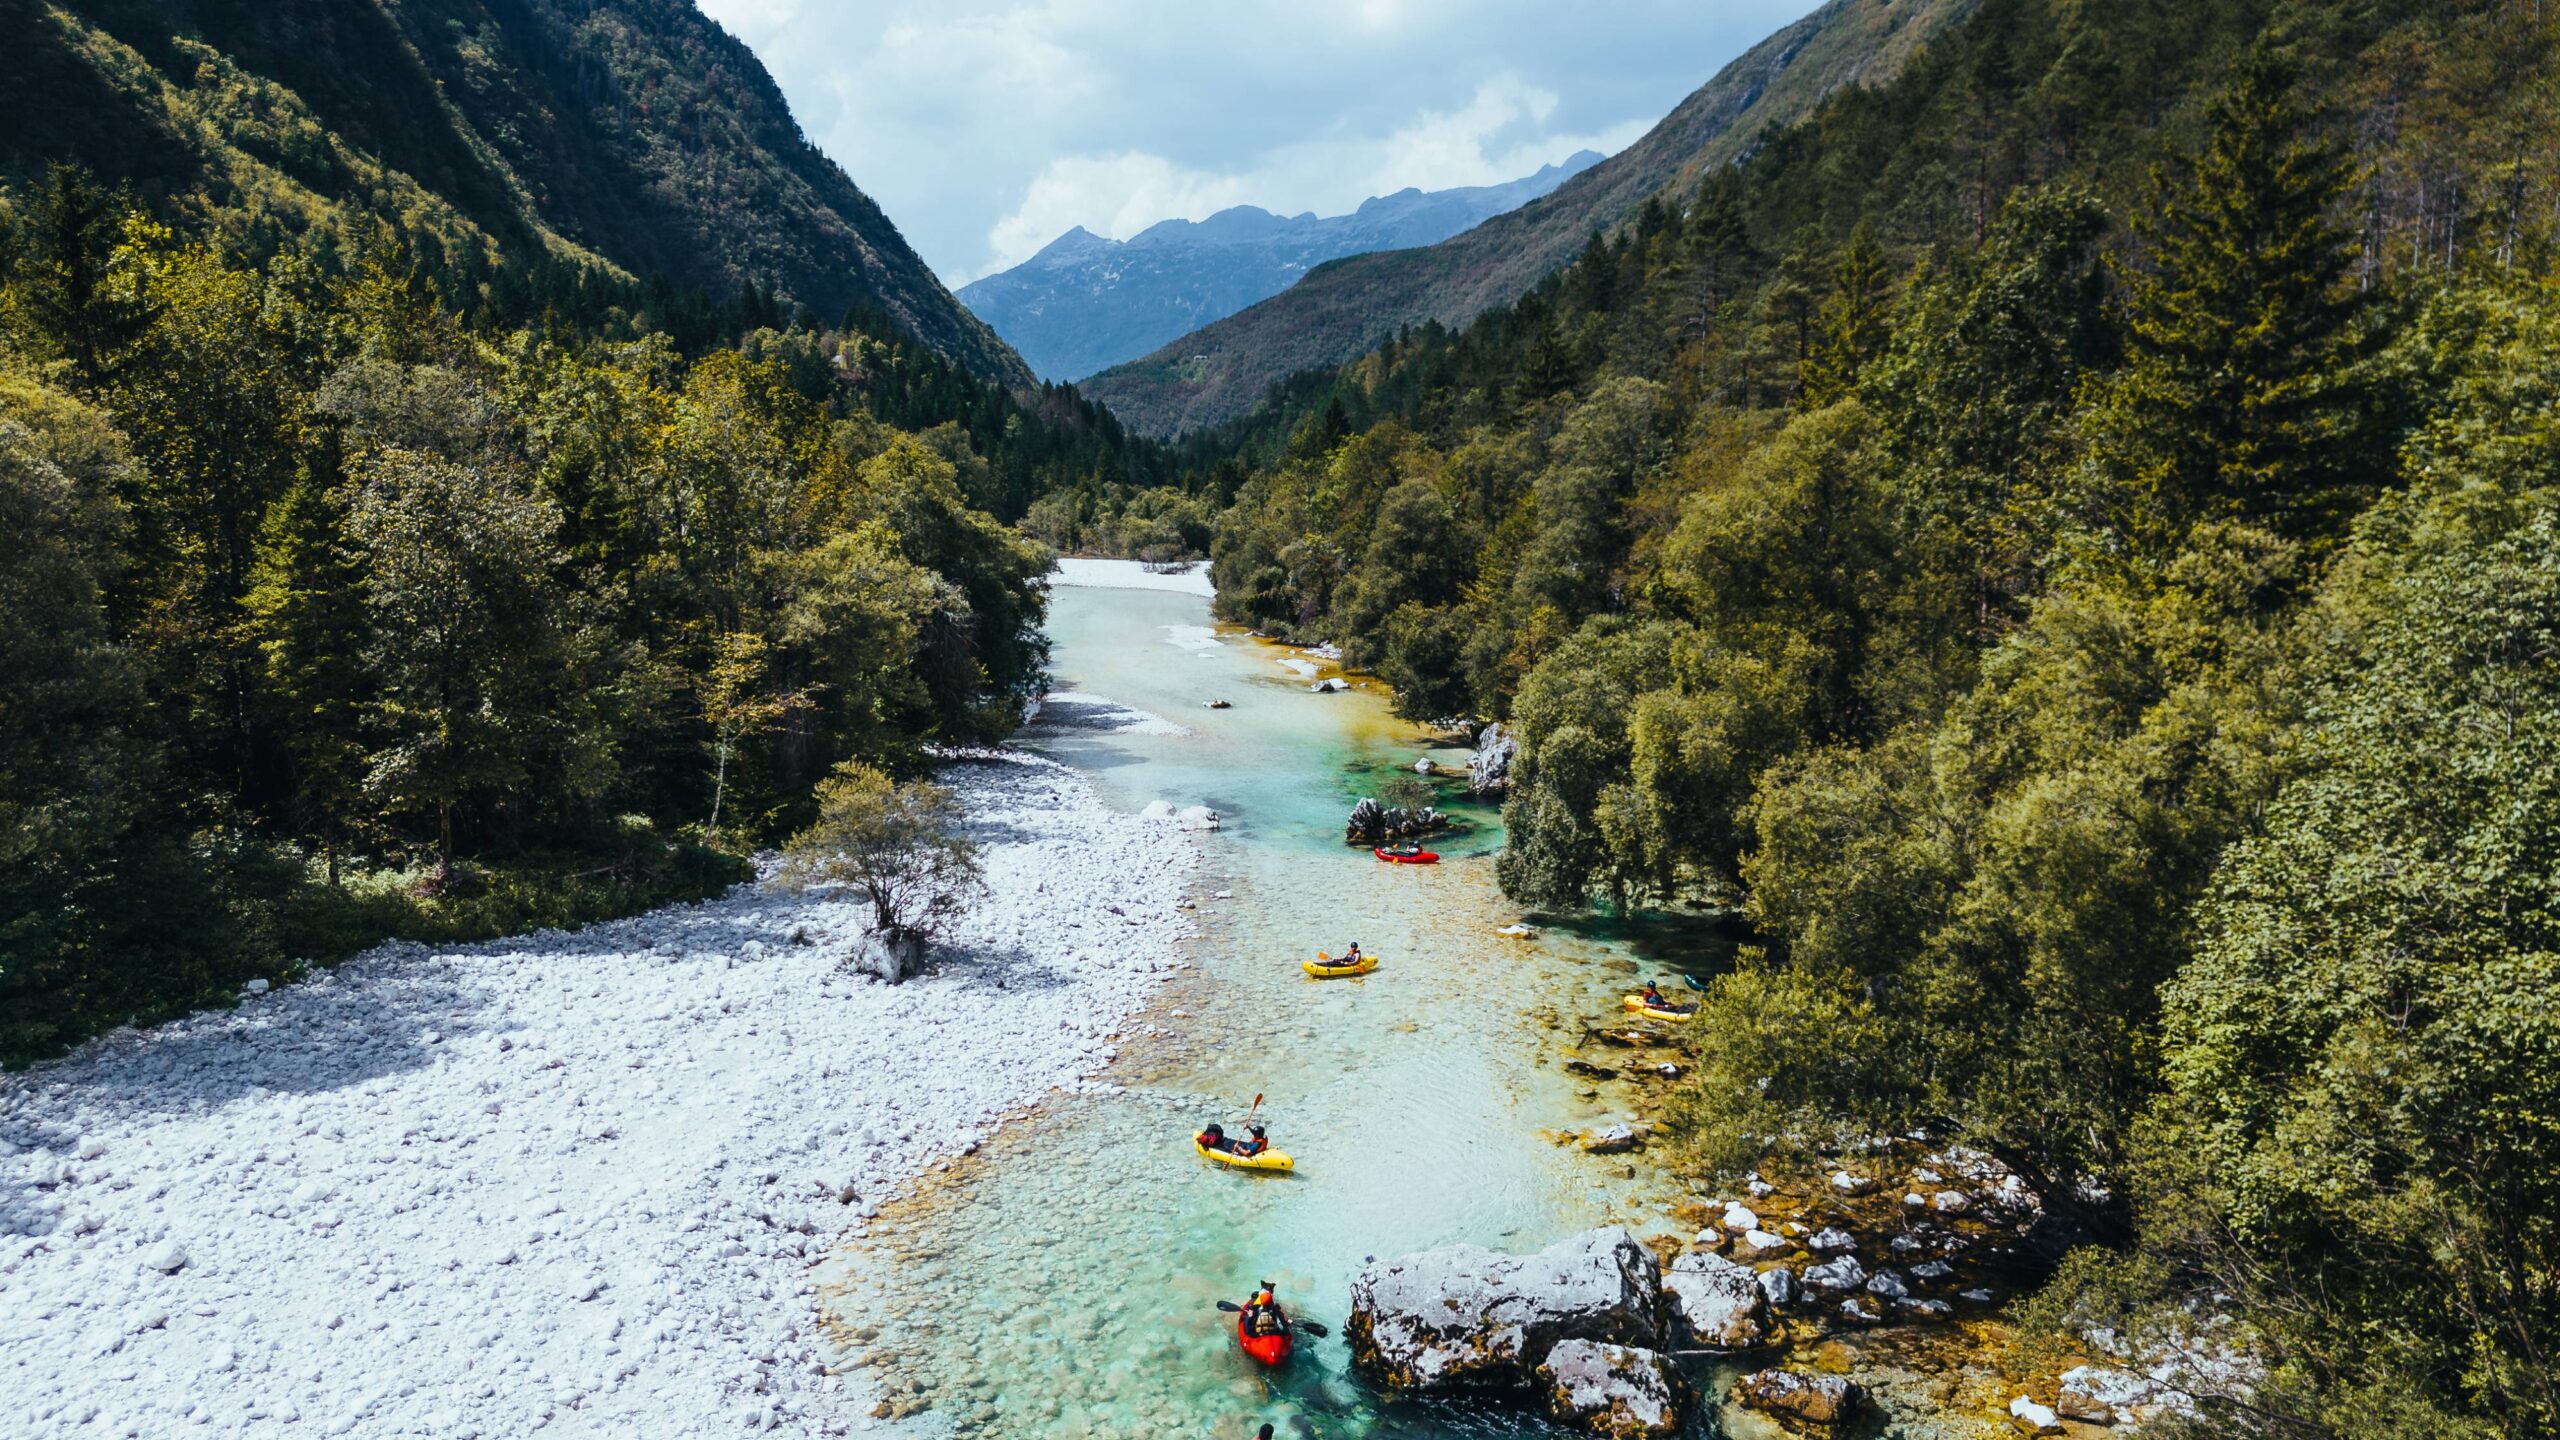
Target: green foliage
(2364, 1058)
(352, 619)
(894, 843)
(2057, 548)
(2243, 396)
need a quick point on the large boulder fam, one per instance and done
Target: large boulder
(1714, 1303)
(1466, 1318)
(1619, 1391)
(1816, 1403)
(1489, 770)
(1368, 823)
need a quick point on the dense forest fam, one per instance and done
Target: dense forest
(2061, 554)
(356, 596)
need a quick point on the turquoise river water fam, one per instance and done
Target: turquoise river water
(1061, 1281)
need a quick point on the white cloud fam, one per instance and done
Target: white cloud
(1499, 134)
(987, 127)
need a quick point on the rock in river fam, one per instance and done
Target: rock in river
(1797, 1400)
(1463, 1317)
(1619, 1391)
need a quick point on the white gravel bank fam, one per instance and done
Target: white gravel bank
(565, 1183)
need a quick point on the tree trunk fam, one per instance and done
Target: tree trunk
(719, 788)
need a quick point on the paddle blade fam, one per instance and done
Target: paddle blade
(1231, 1307)
(1314, 1329)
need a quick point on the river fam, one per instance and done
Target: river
(1061, 1281)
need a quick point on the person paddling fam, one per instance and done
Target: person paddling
(1263, 1315)
(1654, 999)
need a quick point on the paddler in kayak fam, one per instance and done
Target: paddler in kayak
(1654, 999)
(1263, 1315)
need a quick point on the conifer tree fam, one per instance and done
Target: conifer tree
(1852, 325)
(307, 619)
(1719, 242)
(72, 293)
(2243, 396)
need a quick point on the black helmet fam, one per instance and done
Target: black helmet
(1215, 1129)
(1257, 1130)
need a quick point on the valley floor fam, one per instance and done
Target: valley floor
(566, 1182)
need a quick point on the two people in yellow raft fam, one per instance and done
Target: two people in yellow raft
(1253, 1143)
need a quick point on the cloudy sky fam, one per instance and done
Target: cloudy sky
(987, 128)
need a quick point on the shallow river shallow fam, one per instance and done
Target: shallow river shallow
(1061, 1282)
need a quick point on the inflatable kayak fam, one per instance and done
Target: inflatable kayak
(1418, 857)
(1324, 967)
(1636, 1003)
(1269, 1349)
(1267, 1160)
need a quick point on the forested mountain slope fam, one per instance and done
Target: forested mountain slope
(1086, 302)
(2058, 555)
(462, 469)
(635, 132)
(1348, 306)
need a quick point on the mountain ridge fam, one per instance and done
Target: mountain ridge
(1347, 307)
(1086, 301)
(634, 135)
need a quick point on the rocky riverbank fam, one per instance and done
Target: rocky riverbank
(562, 1180)
(1866, 1288)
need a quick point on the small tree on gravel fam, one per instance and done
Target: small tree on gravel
(895, 843)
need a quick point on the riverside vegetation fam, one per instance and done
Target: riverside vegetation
(2061, 551)
(361, 597)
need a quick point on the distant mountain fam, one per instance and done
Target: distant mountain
(636, 134)
(1349, 306)
(1087, 302)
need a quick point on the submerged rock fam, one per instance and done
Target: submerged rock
(1799, 1401)
(1463, 1317)
(1619, 1391)
(1616, 1140)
